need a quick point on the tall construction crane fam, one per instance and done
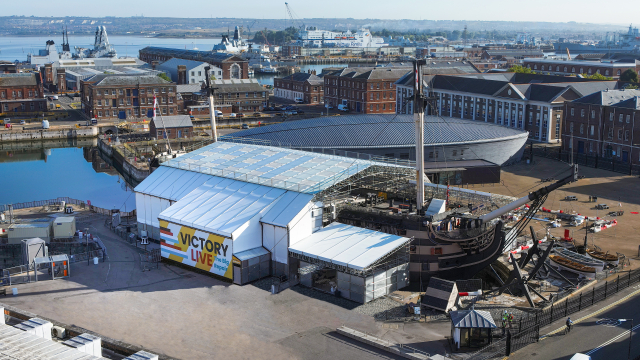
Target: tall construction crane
(294, 21)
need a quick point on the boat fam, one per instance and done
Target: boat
(580, 259)
(233, 45)
(267, 70)
(602, 256)
(562, 263)
(101, 47)
(626, 42)
(312, 37)
(453, 244)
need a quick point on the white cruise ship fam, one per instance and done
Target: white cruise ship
(313, 37)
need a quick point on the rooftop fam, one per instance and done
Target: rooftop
(604, 63)
(18, 80)
(618, 98)
(198, 55)
(106, 79)
(363, 131)
(302, 76)
(287, 169)
(174, 62)
(237, 85)
(173, 121)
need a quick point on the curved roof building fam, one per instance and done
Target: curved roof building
(446, 139)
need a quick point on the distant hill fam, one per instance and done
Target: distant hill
(214, 27)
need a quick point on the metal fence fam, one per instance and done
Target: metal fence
(594, 161)
(68, 201)
(527, 327)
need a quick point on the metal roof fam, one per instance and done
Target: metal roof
(286, 209)
(287, 169)
(174, 62)
(170, 183)
(251, 253)
(173, 121)
(472, 319)
(127, 79)
(376, 131)
(346, 245)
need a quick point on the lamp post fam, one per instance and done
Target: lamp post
(630, 334)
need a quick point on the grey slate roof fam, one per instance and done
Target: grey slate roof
(302, 77)
(237, 85)
(100, 80)
(372, 73)
(173, 121)
(18, 80)
(198, 55)
(377, 131)
(174, 62)
(188, 88)
(472, 319)
(617, 98)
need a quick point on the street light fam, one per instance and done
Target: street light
(630, 334)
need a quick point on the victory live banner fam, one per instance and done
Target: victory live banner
(197, 248)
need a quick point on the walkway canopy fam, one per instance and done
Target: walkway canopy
(350, 248)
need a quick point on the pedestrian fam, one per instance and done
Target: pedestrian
(569, 323)
(510, 321)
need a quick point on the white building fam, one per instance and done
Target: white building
(194, 71)
(243, 212)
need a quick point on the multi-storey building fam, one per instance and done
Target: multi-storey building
(20, 93)
(183, 71)
(232, 66)
(243, 95)
(363, 90)
(604, 124)
(307, 87)
(127, 96)
(607, 68)
(522, 101)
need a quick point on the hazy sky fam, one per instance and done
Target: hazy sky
(591, 11)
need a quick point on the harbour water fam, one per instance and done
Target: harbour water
(42, 174)
(14, 48)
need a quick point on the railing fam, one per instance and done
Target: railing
(68, 201)
(594, 161)
(529, 325)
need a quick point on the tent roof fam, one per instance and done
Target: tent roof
(350, 246)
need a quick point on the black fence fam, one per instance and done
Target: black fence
(594, 161)
(526, 329)
(30, 204)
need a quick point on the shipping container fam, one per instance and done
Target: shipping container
(18, 232)
(64, 227)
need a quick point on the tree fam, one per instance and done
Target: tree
(596, 76)
(629, 75)
(164, 77)
(521, 69)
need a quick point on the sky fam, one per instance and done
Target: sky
(584, 11)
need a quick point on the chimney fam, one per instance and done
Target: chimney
(154, 63)
(182, 75)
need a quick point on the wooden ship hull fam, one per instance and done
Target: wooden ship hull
(602, 256)
(562, 263)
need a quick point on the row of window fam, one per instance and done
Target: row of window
(16, 94)
(135, 112)
(621, 117)
(359, 84)
(23, 106)
(136, 101)
(573, 70)
(134, 92)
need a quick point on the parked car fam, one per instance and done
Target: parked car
(22, 122)
(602, 206)
(300, 112)
(299, 101)
(270, 108)
(343, 107)
(245, 126)
(240, 115)
(58, 106)
(571, 198)
(5, 121)
(232, 115)
(257, 114)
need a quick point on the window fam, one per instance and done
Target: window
(141, 91)
(581, 128)
(557, 69)
(626, 135)
(628, 118)
(100, 113)
(593, 114)
(159, 132)
(592, 130)
(535, 67)
(193, 73)
(164, 111)
(565, 69)
(581, 112)
(581, 71)
(620, 118)
(99, 102)
(121, 101)
(606, 72)
(171, 111)
(170, 100)
(610, 116)
(455, 152)
(120, 92)
(431, 155)
(573, 70)
(571, 127)
(572, 112)
(618, 72)
(620, 134)
(542, 68)
(610, 133)
(164, 90)
(30, 93)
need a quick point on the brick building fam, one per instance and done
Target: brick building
(504, 54)
(604, 124)
(21, 93)
(232, 66)
(306, 86)
(127, 96)
(171, 127)
(363, 90)
(607, 68)
(530, 102)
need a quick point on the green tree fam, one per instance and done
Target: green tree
(596, 76)
(521, 69)
(164, 77)
(629, 75)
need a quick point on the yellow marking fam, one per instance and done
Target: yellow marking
(593, 313)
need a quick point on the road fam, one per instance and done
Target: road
(601, 335)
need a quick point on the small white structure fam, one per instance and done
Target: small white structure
(440, 295)
(86, 343)
(142, 355)
(64, 227)
(471, 328)
(436, 206)
(36, 326)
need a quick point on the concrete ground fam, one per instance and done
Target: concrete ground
(187, 315)
(611, 188)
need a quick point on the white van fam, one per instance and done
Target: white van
(343, 107)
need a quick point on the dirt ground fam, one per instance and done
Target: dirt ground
(620, 192)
